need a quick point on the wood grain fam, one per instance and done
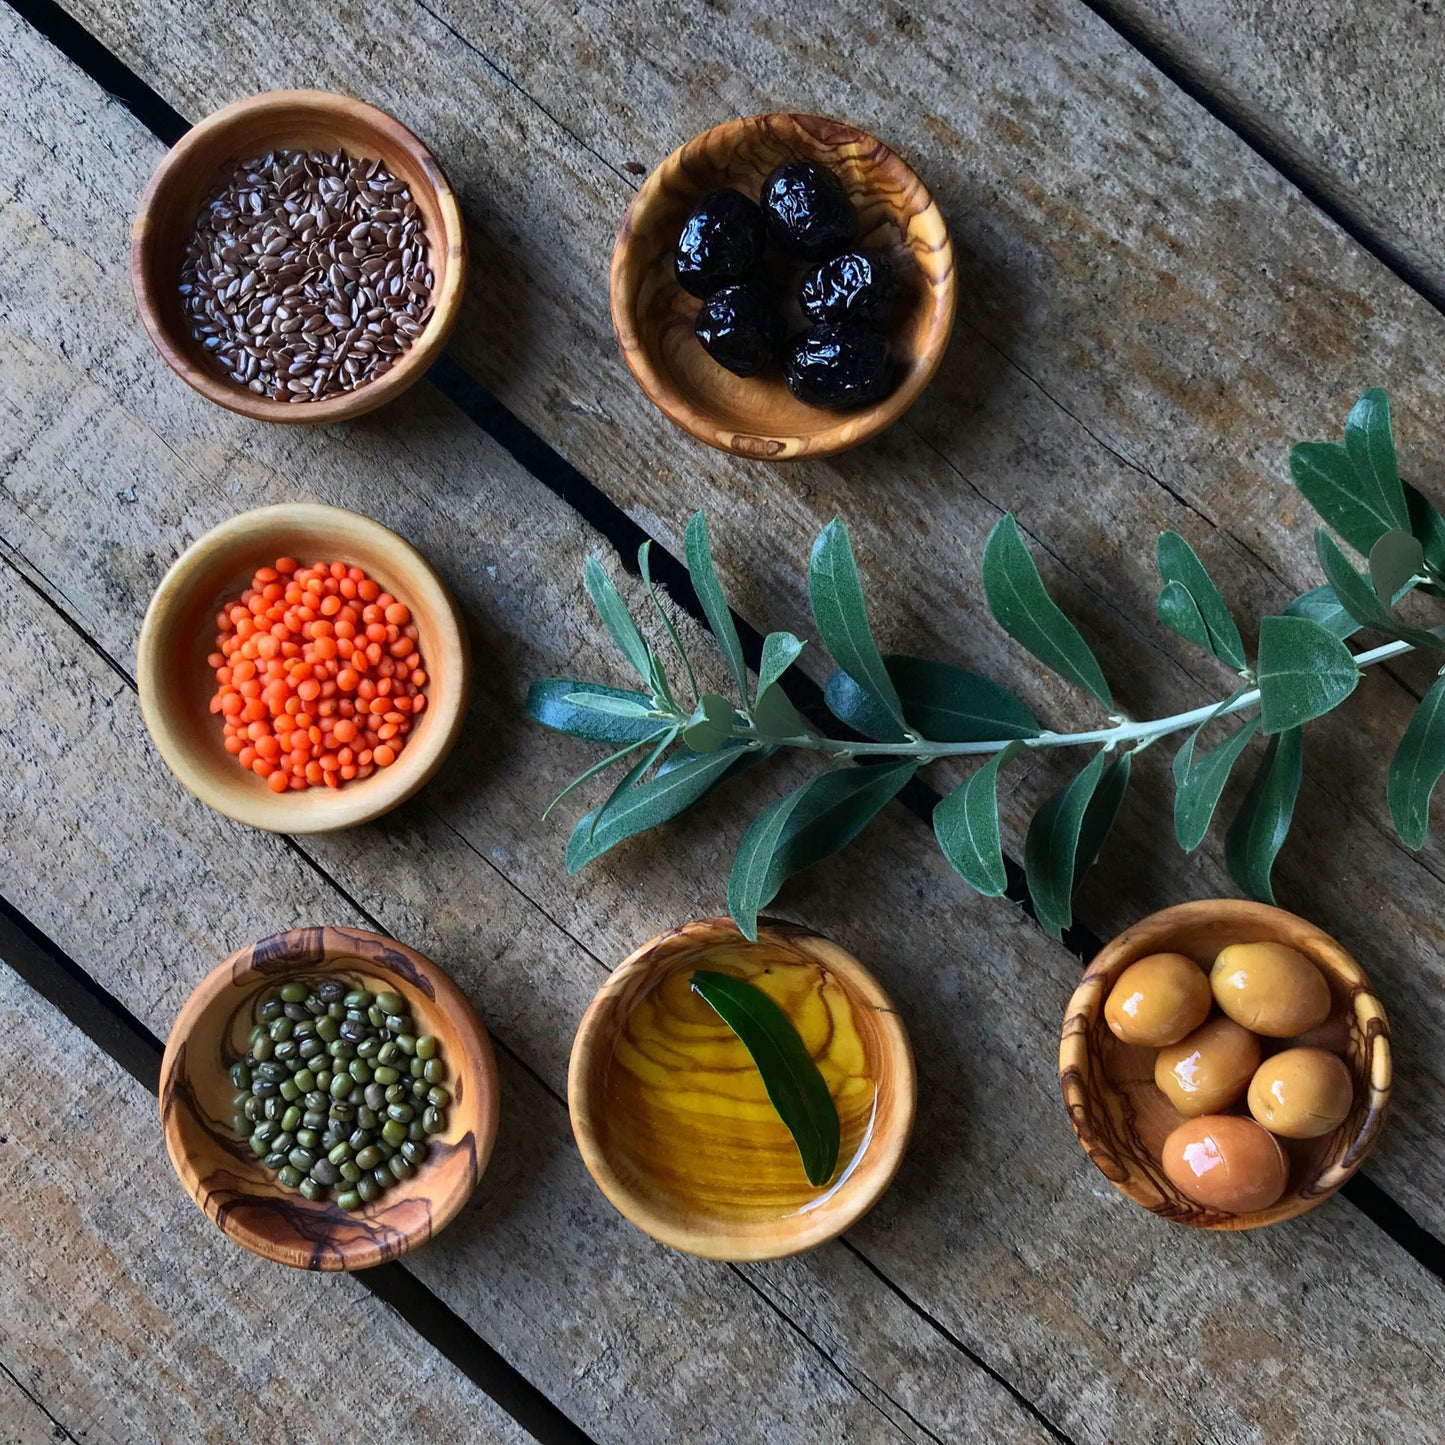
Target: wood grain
(981, 1228)
(653, 316)
(130, 1318)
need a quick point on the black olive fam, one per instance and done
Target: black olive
(807, 209)
(739, 329)
(720, 242)
(856, 286)
(839, 364)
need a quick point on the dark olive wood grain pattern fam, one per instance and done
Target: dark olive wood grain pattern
(301, 120)
(1121, 1117)
(758, 416)
(230, 1184)
(693, 1223)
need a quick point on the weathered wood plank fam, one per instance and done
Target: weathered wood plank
(1131, 356)
(128, 1317)
(22, 1421)
(954, 1232)
(1348, 95)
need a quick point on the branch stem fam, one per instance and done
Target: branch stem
(1139, 733)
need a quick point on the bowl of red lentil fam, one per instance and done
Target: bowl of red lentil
(302, 669)
(298, 257)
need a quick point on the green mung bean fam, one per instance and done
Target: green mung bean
(312, 1189)
(349, 1171)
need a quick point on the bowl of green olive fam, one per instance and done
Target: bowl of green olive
(329, 1098)
(1225, 1064)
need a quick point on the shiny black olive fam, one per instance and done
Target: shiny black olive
(839, 364)
(807, 209)
(720, 242)
(856, 286)
(739, 329)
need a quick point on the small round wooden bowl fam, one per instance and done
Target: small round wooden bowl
(1122, 1118)
(695, 1224)
(758, 416)
(176, 683)
(305, 120)
(229, 1182)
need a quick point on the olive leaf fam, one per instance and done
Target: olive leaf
(836, 594)
(1371, 449)
(633, 775)
(945, 703)
(780, 651)
(651, 802)
(1394, 562)
(821, 817)
(711, 724)
(795, 1086)
(600, 714)
(1180, 613)
(776, 718)
(618, 622)
(600, 767)
(1417, 766)
(966, 826)
(698, 548)
(1180, 565)
(1304, 671)
(1260, 827)
(1199, 780)
(1052, 846)
(1322, 605)
(1023, 608)
(1360, 599)
(1103, 809)
(644, 566)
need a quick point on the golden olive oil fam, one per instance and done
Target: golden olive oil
(689, 1120)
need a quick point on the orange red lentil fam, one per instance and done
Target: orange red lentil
(319, 677)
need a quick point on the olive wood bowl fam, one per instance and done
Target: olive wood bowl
(1122, 1118)
(176, 683)
(628, 1160)
(305, 120)
(230, 1184)
(758, 416)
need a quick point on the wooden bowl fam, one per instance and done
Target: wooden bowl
(229, 1182)
(1122, 1118)
(176, 683)
(758, 416)
(745, 1199)
(299, 120)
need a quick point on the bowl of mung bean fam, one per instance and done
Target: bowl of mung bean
(329, 1098)
(299, 257)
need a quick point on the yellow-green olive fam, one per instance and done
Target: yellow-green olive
(1270, 988)
(1301, 1093)
(1158, 1000)
(1226, 1162)
(1209, 1069)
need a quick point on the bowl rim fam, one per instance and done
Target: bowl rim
(1152, 934)
(798, 1232)
(446, 303)
(296, 950)
(370, 797)
(845, 433)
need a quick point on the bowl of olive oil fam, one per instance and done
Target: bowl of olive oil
(710, 1135)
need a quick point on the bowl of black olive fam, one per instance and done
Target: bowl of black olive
(783, 286)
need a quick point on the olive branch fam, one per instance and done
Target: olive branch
(906, 712)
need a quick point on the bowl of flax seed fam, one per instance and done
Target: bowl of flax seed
(299, 257)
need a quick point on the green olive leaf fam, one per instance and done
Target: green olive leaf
(1103, 809)
(1052, 847)
(1395, 560)
(795, 1086)
(780, 651)
(1023, 608)
(633, 775)
(942, 703)
(1262, 824)
(1371, 449)
(1179, 563)
(711, 724)
(1417, 766)
(644, 566)
(1322, 605)
(1180, 613)
(601, 714)
(966, 826)
(1199, 780)
(698, 549)
(600, 767)
(775, 718)
(1360, 599)
(836, 592)
(1304, 671)
(618, 621)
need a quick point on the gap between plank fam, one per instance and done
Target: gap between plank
(561, 478)
(103, 1019)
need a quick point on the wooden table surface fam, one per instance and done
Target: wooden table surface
(1183, 243)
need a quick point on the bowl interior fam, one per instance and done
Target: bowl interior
(1121, 1116)
(177, 683)
(671, 1115)
(226, 1179)
(654, 316)
(296, 120)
